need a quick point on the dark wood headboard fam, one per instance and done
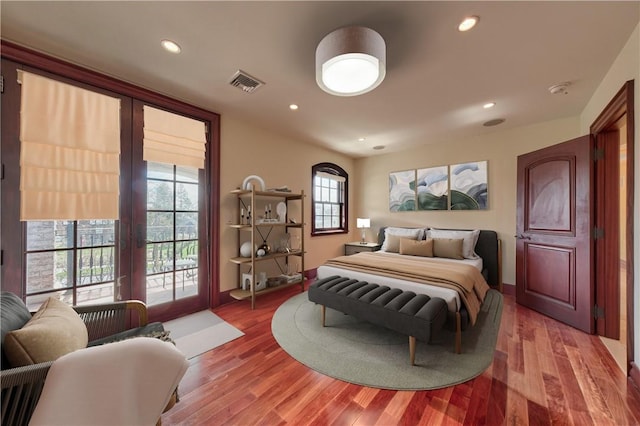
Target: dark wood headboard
(488, 248)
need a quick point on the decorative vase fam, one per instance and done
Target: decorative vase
(266, 247)
(245, 249)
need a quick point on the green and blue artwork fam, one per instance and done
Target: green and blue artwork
(402, 193)
(469, 186)
(432, 188)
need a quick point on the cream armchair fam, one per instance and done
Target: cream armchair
(105, 323)
(123, 383)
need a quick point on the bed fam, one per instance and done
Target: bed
(488, 263)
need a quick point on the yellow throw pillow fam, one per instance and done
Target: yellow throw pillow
(448, 247)
(416, 248)
(55, 330)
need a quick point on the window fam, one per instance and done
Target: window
(329, 199)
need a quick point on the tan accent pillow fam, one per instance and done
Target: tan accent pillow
(416, 248)
(55, 330)
(448, 247)
(470, 238)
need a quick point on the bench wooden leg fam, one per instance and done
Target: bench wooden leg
(412, 350)
(458, 333)
(323, 311)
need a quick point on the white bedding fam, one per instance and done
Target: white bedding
(449, 296)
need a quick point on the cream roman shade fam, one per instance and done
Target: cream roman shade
(70, 151)
(173, 139)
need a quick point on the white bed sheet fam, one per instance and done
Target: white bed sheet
(451, 297)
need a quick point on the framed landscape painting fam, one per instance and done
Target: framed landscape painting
(402, 193)
(469, 186)
(432, 188)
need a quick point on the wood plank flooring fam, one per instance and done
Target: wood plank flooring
(543, 373)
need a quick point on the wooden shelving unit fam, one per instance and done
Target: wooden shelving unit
(251, 199)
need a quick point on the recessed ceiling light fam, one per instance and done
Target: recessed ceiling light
(293, 107)
(378, 147)
(361, 139)
(468, 23)
(170, 46)
(489, 105)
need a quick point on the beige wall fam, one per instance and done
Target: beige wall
(500, 149)
(626, 67)
(248, 150)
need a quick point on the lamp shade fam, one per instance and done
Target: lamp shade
(350, 61)
(363, 222)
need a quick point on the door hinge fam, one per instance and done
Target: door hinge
(597, 311)
(598, 154)
(1, 83)
(598, 233)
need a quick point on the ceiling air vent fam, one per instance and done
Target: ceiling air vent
(244, 81)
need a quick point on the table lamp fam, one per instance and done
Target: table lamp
(363, 223)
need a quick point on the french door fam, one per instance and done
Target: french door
(169, 227)
(156, 252)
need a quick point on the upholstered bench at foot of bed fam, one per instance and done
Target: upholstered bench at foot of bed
(416, 315)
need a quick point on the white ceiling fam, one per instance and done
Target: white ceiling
(437, 78)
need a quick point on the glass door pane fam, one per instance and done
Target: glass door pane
(172, 233)
(74, 261)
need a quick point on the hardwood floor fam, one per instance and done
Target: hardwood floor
(543, 373)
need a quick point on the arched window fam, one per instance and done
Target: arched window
(329, 199)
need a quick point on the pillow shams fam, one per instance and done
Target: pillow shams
(470, 238)
(416, 248)
(392, 244)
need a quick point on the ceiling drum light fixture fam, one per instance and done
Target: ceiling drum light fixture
(350, 61)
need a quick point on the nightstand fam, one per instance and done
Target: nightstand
(357, 247)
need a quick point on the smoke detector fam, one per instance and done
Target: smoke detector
(244, 81)
(560, 88)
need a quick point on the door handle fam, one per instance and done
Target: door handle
(522, 237)
(140, 240)
(123, 236)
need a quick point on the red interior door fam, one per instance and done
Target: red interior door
(553, 246)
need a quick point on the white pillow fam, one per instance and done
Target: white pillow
(468, 245)
(412, 233)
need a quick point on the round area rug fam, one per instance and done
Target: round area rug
(358, 352)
